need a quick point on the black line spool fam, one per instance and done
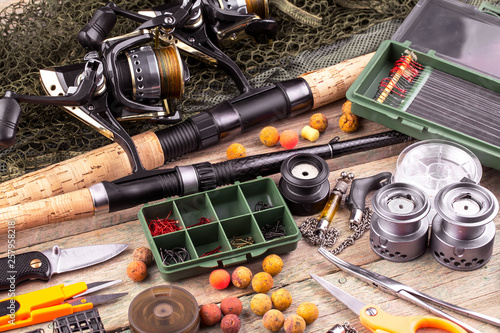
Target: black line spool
(164, 309)
(304, 184)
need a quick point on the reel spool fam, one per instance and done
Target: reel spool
(463, 231)
(399, 227)
(149, 75)
(164, 309)
(304, 184)
(258, 7)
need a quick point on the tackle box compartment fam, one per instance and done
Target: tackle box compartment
(238, 210)
(363, 90)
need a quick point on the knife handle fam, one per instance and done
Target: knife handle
(23, 267)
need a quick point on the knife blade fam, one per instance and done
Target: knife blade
(36, 265)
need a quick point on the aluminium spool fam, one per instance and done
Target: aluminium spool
(164, 309)
(463, 231)
(399, 228)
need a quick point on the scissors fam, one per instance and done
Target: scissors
(50, 303)
(396, 288)
(378, 321)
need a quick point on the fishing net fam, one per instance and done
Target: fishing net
(40, 34)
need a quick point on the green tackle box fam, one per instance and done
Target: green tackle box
(239, 210)
(453, 38)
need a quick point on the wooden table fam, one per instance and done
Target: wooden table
(477, 290)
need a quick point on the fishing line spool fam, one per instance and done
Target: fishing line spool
(399, 226)
(304, 183)
(150, 75)
(432, 164)
(463, 231)
(164, 309)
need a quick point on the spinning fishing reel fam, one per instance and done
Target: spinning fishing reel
(127, 78)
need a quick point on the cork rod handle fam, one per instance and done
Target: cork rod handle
(330, 84)
(106, 163)
(69, 206)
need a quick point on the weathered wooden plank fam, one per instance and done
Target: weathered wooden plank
(477, 290)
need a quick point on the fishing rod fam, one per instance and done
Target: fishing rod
(107, 197)
(252, 108)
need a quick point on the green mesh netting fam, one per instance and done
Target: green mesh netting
(41, 34)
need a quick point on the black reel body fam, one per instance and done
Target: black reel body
(136, 76)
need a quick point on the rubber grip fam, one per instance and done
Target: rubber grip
(98, 28)
(23, 267)
(69, 206)
(123, 196)
(331, 84)
(10, 111)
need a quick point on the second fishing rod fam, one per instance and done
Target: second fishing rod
(106, 197)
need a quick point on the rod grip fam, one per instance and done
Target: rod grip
(68, 206)
(106, 163)
(331, 84)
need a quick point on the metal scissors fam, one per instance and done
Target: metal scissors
(396, 288)
(376, 320)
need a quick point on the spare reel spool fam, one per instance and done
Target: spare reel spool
(463, 231)
(399, 228)
(164, 309)
(304, 184)
(149, 75)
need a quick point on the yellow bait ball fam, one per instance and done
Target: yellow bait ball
(282, 299)
(241, 277)
(294, 324)
(236, 150)
(272, 264)
(310, 133)
(318, 121)
(269, 136)
(262, 282)
(273, 320)
(260, 304)
(309, 311)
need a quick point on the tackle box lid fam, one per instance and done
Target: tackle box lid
(456, 32)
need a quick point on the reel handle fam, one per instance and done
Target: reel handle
(98, 28)
(10, 111)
